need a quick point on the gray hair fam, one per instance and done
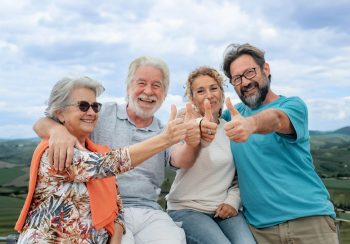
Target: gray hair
(61, 91)
(151, 61)
(234, 51)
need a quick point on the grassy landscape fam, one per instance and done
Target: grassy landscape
(330, 151)
(9, 212)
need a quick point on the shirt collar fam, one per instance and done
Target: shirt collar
(123, 115)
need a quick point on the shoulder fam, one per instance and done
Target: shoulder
(159, 123)
(293, 103)
(293, 99)
(110, 110)
(108, 106)
(226, 114)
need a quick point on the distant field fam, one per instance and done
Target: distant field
(337, 184)
(9, 212)
(7, 175)
(345, 233)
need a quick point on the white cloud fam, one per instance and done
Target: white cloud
(164, 112)
(329, 114)
(41, 42)
(14, 131)
(105, 99)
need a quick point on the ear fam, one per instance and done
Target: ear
(266, 68)
(60, 116)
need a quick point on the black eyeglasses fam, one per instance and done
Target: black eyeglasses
(84, 106)
(248, 74)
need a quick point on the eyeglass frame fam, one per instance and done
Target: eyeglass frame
(244, 75)
(92, 105)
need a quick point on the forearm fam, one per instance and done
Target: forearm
(44, 126)
(233, 196)
(271, 120)
(89, 165)
(183, 155)
(118, 234)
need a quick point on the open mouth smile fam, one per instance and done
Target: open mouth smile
(146, 100)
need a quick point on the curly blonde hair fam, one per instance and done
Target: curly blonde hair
(202, 71)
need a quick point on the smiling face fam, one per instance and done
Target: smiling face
(146, 92)
(205, 87)
(253, 91)
(78, 123)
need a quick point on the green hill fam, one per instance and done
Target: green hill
(344, 130)
(330, 151)
(18, 151)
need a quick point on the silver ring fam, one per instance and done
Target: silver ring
(209, 131)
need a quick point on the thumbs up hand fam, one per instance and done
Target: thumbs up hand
(175, 129)
(207, 110)
(208, 126)
(193, 136)
(239, 128)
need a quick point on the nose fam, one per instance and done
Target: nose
(245, 81)
(208, 94)
(148, 90)
(91, 111)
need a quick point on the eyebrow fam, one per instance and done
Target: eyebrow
(140, 79)
(210, 86)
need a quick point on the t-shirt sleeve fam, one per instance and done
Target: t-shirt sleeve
(226, 115)
(296, 111)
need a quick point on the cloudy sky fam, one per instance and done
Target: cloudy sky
(307, 44)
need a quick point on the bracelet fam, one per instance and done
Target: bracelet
(199, 121)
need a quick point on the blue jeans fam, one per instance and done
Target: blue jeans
(202, 228)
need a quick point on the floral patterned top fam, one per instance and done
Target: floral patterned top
(65, 197)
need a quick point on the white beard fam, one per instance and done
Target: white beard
(141, 112)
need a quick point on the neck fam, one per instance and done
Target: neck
(270, 97)
(82, 141)
(140, 122)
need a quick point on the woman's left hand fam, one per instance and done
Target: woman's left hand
(117, 236)
(193, 135)
(225, 211)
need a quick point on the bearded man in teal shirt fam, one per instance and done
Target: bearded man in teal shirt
(284, 199)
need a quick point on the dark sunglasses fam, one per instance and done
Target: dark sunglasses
(84, 106)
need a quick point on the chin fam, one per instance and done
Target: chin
(146, 112)
(88, 129)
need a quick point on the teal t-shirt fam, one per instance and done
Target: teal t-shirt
(277, 178)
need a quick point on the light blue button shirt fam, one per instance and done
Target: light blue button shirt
(139, 187)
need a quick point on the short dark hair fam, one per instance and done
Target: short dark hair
(234, 51)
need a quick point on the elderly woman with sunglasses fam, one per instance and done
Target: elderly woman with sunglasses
(204, 195)
(81, 203)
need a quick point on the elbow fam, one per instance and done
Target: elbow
(187, 165)
(278, 124)
(283, 124)
(35, 128)
(181, 163)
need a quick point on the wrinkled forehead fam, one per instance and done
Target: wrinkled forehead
(149, 73)
(81, 93)
(241, 64)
